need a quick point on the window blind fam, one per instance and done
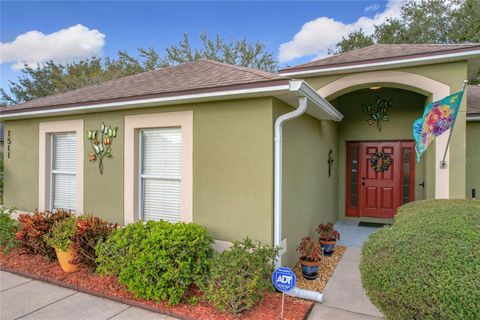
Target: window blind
(63, 171)
(160, 174)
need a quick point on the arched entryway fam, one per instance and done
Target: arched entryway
(431, 89)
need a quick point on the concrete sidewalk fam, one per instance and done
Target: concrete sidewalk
(23, 298)
(345, 298)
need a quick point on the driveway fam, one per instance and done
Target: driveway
(23, 298)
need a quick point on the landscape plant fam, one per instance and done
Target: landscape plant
(310, 256)
(239, 276)
(33, 228)
(427, 264)
(90, 230)
(327, 237)
(156, 260)
(62, 234)
(8, 229)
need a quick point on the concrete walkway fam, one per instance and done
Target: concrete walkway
(345, 298)
(23, 298)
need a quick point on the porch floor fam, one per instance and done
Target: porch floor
(351, 234)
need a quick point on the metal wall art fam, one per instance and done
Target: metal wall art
(330, 162)
(379, 112)
(101, 142)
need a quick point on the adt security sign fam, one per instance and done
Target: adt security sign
(284, 279)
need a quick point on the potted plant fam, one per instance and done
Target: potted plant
(310, 256)
(327, 237)
(61, 239)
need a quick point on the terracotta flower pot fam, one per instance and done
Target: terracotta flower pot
(64, 258)
(328, 247)
(309, 269)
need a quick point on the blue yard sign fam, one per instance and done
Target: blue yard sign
(284, 279)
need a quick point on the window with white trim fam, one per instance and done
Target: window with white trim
(160, 176)
(63, 171)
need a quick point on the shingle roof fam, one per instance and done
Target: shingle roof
(194, 77)
(383, 52)
(473, 100)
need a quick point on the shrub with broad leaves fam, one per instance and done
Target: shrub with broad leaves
(310, 250)
(90, 230)
(62, 234)
(156, 260)
(239, 276)
(327, 233)
(33, 228)
(8, 229)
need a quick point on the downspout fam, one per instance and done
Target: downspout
(277, 202)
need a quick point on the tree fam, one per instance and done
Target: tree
(427, 21)
(52, 78)
(354, 40)
(239, 52)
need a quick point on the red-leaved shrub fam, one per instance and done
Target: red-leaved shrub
(90, 230)
(34, 226)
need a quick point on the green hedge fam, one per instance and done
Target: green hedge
(427, 265)
(239, 276)
(157, 260)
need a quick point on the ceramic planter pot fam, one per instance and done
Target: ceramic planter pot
(328, 247)
(310, 269)
(64, 258)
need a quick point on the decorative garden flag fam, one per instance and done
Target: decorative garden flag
(438, 117)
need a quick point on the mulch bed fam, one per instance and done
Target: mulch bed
(37, 267)
(328, 265)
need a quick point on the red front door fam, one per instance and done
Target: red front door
(379, 194)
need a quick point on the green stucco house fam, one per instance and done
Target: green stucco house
(246, 152)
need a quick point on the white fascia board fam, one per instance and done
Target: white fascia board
(473, 118)
(302, 88)
(190, 98)
(391, 64)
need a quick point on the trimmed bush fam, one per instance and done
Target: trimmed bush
(239, 276)
(90, 230)
(8, 229)
(33, 228)
(157, 260)
(427, 265)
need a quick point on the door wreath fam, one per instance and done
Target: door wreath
(381, 161)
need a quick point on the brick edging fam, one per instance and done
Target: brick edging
(78, 288)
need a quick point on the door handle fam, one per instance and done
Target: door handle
(422, 184)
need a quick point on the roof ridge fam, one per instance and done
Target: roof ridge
(254, 71)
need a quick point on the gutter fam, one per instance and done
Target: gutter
(171, 100)
(473, 118)
(304, 93)
(313, 71)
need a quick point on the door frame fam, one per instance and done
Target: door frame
(353, 149)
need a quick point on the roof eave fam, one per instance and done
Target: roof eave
(152, 102)
(434, 59)
(473, 117)
(319, 107)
